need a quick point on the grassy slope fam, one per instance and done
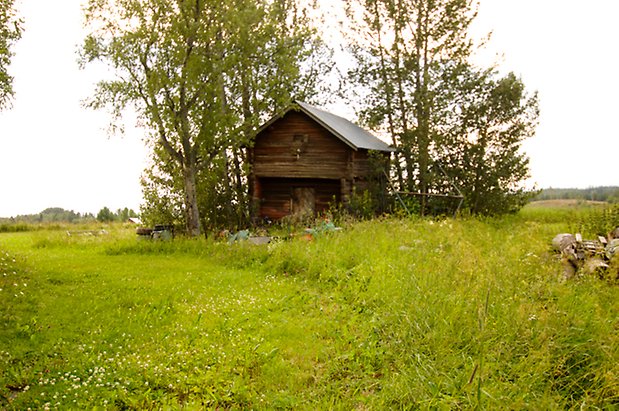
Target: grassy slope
(385, 314)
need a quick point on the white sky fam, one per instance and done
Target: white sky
(54, 153)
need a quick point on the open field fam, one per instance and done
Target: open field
(570, 204)
(387, 314)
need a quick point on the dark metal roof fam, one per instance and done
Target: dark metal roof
(347, 131)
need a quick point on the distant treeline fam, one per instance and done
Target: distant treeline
(608, 194)
(60, 215)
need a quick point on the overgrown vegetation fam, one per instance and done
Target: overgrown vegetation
(49, 215)
(597, 221)
(385, 314)
(203, 77)
(452, 123)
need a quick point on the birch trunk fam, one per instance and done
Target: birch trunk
(192, 215)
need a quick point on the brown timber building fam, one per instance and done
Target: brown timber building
(306, 158)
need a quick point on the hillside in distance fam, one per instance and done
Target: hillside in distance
(609, 194)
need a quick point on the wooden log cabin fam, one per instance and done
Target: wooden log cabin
(305, 159)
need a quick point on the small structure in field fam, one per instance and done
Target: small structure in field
(306, 158)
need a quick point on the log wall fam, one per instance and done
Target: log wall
(296, 146)
(296, 151)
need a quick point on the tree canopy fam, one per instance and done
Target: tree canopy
(10, 32)
(480, 148)
(201, 74)
(451, 123)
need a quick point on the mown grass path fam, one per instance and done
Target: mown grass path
(385, 314)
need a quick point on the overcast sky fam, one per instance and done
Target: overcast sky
(54, 153)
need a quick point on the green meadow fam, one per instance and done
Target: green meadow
(386, 314)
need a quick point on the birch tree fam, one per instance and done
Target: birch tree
(440, 111)
(201, 74)
(402, 53)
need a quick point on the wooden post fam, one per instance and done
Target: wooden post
(345, 190)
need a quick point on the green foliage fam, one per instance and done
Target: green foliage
(15, 228)
(369, 197)
(598, 221)
(55, 217)
(202, 76)
(105, 215)
(455, 128)
(124, 214)
(385, 314)
(10, 32)
(162, 194)
(403, 50)
(362, 205)
(57, 214)
(482, 151)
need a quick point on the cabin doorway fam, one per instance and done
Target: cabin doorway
(303, 202)
(279, 197)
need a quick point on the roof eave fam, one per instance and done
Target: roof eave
(296, 106)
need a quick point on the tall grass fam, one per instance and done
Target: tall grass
(598, 222)
(386, 314)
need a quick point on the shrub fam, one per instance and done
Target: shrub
(599, 221)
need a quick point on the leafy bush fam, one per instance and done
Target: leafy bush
(598, 222)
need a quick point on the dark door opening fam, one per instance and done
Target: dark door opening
(303, 202)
